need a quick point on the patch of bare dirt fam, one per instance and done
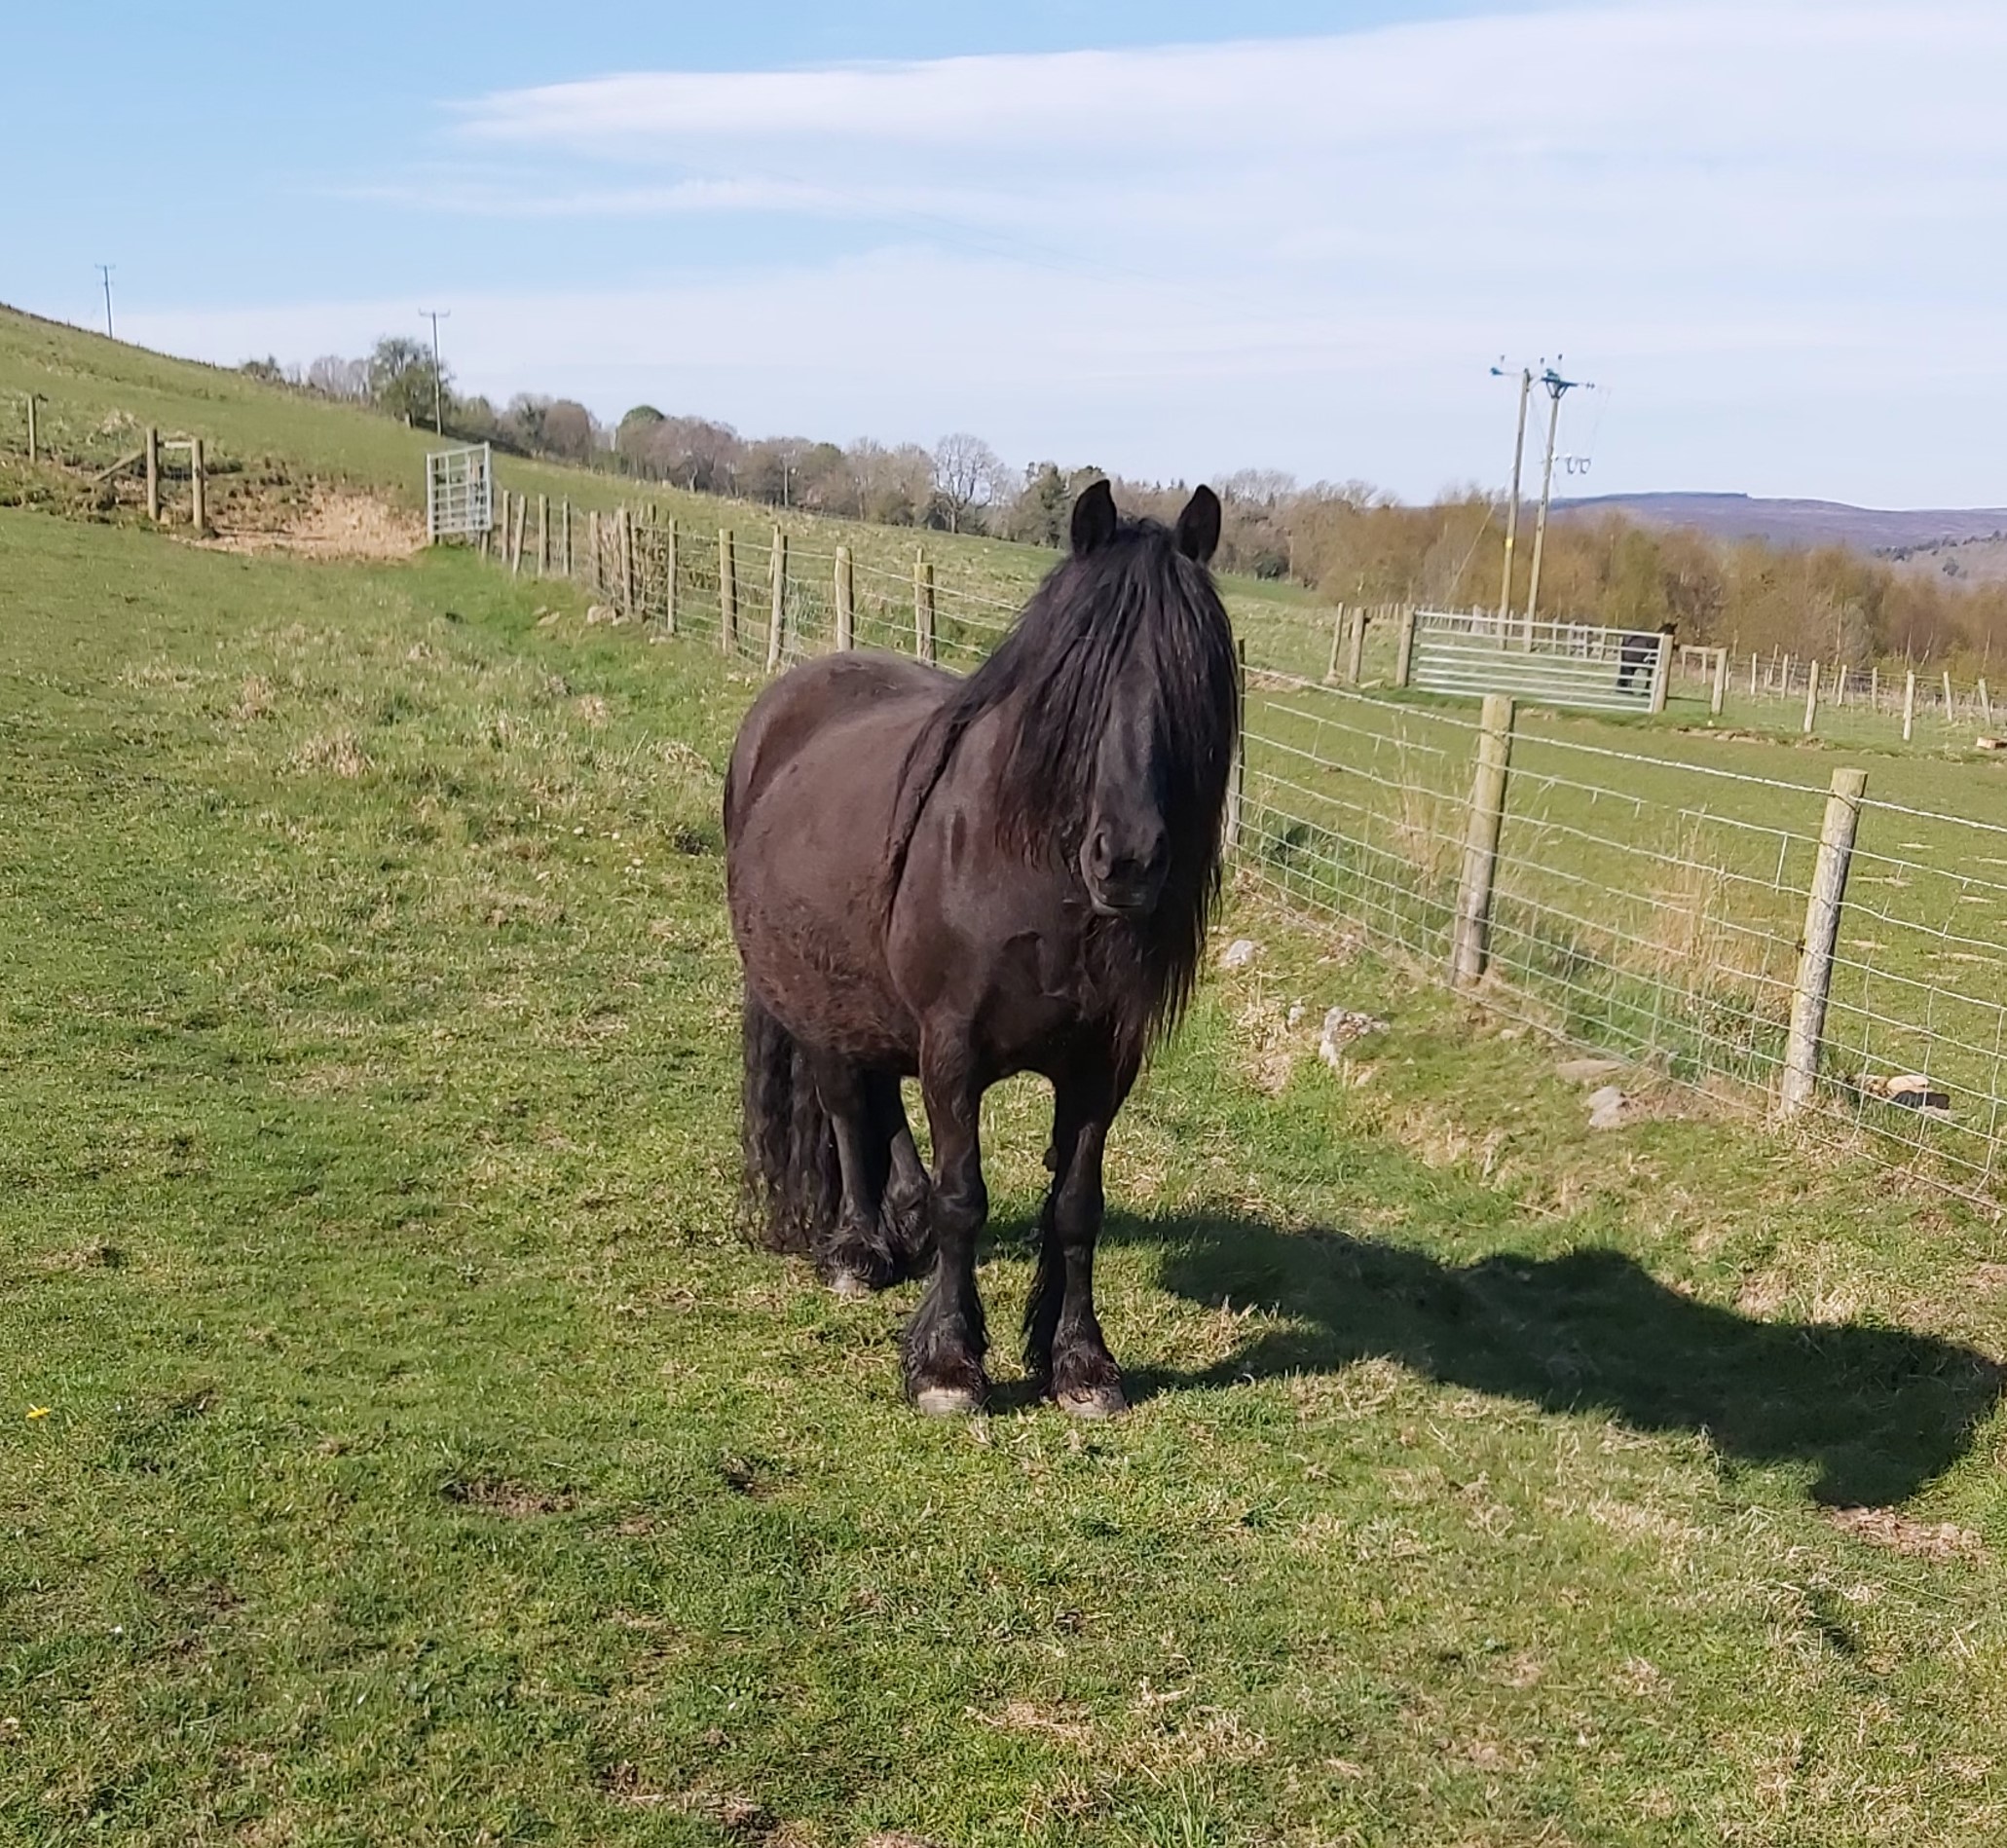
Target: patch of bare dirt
(321, 523)
(1919, 1539)
(503, 1496)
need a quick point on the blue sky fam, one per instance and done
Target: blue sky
(1170, 239)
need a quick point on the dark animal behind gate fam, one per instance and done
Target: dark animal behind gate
(1637, 656)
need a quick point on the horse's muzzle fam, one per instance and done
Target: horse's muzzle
(1123, 898)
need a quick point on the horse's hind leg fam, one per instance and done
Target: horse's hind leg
(1064, 1345)
(903, 1210)
(855, 1254)
(946, 1339)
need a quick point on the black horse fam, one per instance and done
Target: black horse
(1637, 656)
(962, 879)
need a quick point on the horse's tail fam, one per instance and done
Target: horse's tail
(793, 1184)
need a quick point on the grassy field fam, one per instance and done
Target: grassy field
(398, 1445)
(269, 443)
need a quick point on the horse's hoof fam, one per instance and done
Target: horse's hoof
(1093, 1403)
(853, 1286)
(946, 1402)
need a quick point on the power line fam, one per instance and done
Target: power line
(1513, 506)
(105, 270)
(435, 315)
(1557, 389)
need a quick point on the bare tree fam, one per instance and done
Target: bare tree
(700, 455)
(334, 377)
(968, 477)
(568, 430)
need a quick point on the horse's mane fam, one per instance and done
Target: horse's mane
(1055, 679)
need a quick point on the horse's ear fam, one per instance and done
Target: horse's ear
(1198, 527)
(1093, 519)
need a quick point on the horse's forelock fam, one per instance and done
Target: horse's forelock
(1056, 678)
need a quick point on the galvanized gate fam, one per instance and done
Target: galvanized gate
(460, 492)
(1557, 663)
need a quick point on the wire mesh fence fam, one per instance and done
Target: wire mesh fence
(1640, 901)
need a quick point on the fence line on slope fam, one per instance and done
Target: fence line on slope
(1708, 924)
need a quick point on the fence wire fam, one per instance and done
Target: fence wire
(1645, 904)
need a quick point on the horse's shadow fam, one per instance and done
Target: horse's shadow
(1877, 1411)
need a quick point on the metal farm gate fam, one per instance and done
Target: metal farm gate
(460, 492)
(1557, 663)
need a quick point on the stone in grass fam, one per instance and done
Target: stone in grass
(1609, 1108)
(1587, 1071)
(1341, 1028)
(1238, 954)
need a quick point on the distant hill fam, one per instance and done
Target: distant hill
(1801, 523)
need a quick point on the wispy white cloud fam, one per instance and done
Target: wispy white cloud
(1528, 81)
(1778, 229)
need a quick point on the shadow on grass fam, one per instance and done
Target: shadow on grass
(1877, 1411)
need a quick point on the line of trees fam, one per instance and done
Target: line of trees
(1348, 540)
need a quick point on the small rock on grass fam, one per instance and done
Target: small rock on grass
(1587, 1071)
(1341, 1028)
(1238, 954)
(1609, 1108)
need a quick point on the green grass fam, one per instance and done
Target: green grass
(425, 1461)
(101, 394)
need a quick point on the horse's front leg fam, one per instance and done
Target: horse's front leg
(946, 1339)
(1064, 1345)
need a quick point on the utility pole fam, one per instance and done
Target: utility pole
(104, 269)
(1513, 506)
(435, 315)
(1558, 388)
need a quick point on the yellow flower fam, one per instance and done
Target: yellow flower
(38, 1411)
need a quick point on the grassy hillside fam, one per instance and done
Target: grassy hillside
(397, 1445)
(101, 394)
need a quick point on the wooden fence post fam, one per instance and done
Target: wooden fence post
(34, 434)
(1875, 689)
(1814, 987)
(669, 562)
(1717, 695)
(199, 478)
(595, 541)
(1471, 941)
(1986, 707)
(515, 535)
(1356, 650)
(1338, 631)
(1404, 649)
(565, 535)
(1909, 704)
(727, 592)
(543, 535)
(153, 474)
(629, 585)
(1661, 673)
(847, 602)
(777, 615)
(923, 606)
(1752, 672)
(1947, 697)
(1811, 700)
(1236, 781)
